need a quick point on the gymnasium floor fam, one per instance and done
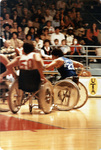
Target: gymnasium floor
(60, 130)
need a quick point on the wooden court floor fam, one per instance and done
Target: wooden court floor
(60, 130)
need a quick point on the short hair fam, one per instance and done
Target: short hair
(37, 36)
(15, 33)
(28, 46)
(57, 27)
(57, 52)
(28, 35)
(45, 29)
(56, 40)
(46, 41)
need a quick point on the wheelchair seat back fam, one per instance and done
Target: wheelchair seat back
(29, 80)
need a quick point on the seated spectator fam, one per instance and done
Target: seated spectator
(62, 13)
(21, 34)
(36, 23)
(23, 24)
(45, 34)
(14, 27)
(35, 47)
(61, 4)
(92, 35)
(70, 4)
(56, 43)
(68, 23)
(78, 5)
(26, 14)
(78, 21)
(80, 33)
(15, 17)
(46, 50)
(19, 50)
(7, 20)
(39, 42)
(4, 11)
(29, 4)
(39, 15)
(69, 36)
(28, 37)
(8, 50)
(70, 15)
(63, 28)
(73, 13)
(5, 5)
(57, 35)
(76, 49)
(42, 24)
(32, 33)
(65, 49)
(50, 27)
(48, 16)
(52, 10)
(14, 40)
(33, 10)
(29, 25)
(18, 6)
(56, 21)
(6, 34)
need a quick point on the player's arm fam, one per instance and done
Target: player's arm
(56, 63)
(78, 64)
(39, 60)
(40, 65)
(12, 64)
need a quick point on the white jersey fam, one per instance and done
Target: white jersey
(27, 62)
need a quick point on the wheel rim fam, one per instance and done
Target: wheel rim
(46, 97)
(15, 97)
(66, 95)
(83, 96)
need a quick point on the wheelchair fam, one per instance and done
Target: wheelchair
(27, 86)
(69, 93)
(64, 95)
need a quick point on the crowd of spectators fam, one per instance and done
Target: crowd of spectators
(49, 24)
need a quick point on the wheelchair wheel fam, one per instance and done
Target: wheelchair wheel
(66, 94)
(15, 97)
(83, 96)
(46, 97)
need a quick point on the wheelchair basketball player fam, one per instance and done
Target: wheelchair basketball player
(29, 61)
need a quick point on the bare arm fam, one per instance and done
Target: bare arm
(56, 63)
(13, 63)
(77, 64)
(40, 65)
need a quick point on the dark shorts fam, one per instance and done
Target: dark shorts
(29, 80)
